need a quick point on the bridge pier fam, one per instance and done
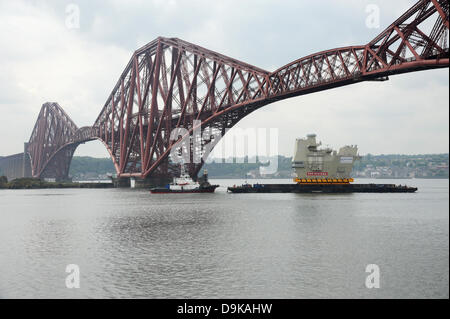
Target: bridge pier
(26, 168)
(57, 169)
(121, 182)
(149, 182)
(141, 183)
(16, 166)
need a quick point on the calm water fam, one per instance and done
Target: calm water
(132, 244)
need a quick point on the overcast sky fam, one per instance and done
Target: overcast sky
(41, 60)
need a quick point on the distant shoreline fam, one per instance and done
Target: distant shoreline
(33, 183)
(14, 185)
(426, 166)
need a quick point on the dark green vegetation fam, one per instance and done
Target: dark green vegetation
(3, 182)
(400, 166)
(371, 166)
(379, 166)
(85, 168)
(243, 168)
(34, 183)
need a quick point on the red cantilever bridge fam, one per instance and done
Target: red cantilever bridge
(170, 83)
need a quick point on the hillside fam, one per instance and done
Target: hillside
(370, 166)
(88, 168)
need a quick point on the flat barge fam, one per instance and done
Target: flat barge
(322, 188)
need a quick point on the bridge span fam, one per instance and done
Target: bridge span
(171, 84)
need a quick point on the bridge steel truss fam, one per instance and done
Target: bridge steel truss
(53, 142)
(172, 85)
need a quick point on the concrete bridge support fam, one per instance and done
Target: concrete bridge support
(141, 183)
(15, 166)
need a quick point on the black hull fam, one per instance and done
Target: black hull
(208, 189)
(323, 188)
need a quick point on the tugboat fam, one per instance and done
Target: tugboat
(185, 184)
(320, 170)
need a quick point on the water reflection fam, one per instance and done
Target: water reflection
(132, 244)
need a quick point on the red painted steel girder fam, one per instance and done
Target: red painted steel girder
(53, 142)
(169, 84)
(404, 46)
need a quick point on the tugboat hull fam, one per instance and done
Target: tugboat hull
(184, 184)
(208, 189)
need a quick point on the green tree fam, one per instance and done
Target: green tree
(3, 181)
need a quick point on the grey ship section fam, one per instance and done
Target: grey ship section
(312, 162)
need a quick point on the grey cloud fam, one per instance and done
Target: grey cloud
(40, 60)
